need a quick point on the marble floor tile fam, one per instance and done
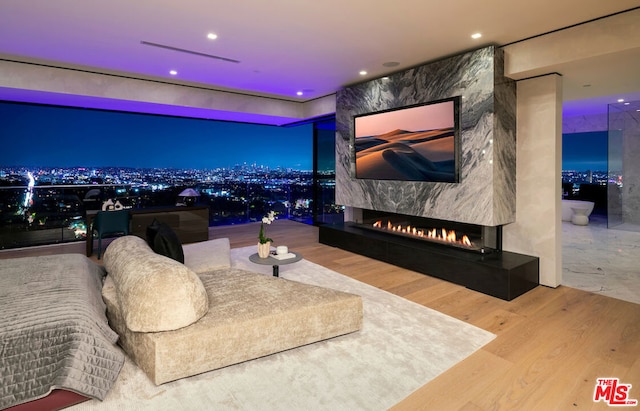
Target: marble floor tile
(601, 260)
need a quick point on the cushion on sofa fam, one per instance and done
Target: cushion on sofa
(208, 255)
(155, 293)
(164, 241)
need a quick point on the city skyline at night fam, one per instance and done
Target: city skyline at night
(58, 164)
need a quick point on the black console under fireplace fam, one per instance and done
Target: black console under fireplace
(479, 266)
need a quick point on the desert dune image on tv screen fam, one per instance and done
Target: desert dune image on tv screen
(414, 144)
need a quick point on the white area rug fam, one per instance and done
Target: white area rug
(401, 347)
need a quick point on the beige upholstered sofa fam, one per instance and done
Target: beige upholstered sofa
(176, 320)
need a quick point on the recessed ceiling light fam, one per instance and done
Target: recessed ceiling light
(299, 93)
(173, 72)
(476, 36)
(212, 36)
(620, 100)
(363, 73)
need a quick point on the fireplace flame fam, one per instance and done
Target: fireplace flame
(444, 235)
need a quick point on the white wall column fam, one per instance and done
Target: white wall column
(538, 226)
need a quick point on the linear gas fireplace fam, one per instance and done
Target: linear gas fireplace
(466, 254)
(470, 237)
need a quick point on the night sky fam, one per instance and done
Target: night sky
(585, 151)
(47, 136)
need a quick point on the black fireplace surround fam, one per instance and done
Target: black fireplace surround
(482, 267)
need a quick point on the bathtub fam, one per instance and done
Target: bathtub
(567, 212)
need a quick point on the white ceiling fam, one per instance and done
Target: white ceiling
(285, 46)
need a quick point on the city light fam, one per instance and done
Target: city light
(53, 202)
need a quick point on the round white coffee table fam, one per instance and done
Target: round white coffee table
(276, 263)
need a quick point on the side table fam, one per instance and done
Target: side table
(255, 258)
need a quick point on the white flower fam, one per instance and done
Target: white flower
(268, 219)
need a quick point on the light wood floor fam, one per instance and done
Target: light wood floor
(551, 344)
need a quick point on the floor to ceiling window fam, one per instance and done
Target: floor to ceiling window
(325, 209)
(58, 163)
(584, 168)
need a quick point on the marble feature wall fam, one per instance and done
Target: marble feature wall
(485, 194)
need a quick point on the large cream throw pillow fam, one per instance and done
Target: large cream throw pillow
(155, 293)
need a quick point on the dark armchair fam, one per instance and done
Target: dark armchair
(110, 223)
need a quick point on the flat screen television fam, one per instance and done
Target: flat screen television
(420, 142)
